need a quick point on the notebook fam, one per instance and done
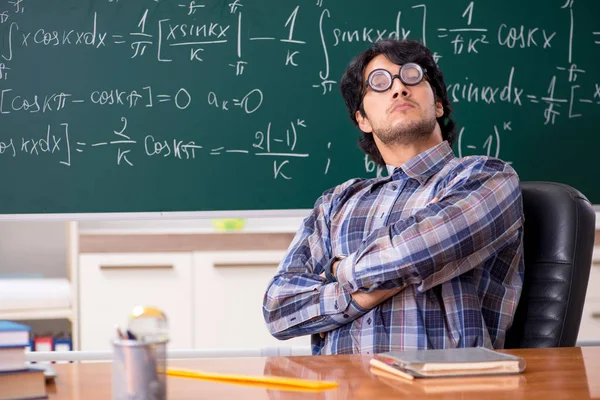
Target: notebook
(448, 362)
(485, 383)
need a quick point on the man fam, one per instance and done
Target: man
(429, 257)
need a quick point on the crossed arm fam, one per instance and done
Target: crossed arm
(479, 211)
(372, 299)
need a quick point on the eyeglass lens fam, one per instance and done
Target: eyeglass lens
(410, 74)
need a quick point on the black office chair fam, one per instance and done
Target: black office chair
(558, 244)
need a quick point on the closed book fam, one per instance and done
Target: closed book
(448, 362)
(13, 334)
(23, 385)
(493, 383)
(12, 358)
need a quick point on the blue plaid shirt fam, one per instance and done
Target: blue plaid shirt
(447, 231)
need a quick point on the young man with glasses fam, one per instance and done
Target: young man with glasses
(429, 257)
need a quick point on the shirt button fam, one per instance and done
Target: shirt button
(346, 316)
(394, 187)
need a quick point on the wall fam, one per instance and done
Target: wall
(33, 248)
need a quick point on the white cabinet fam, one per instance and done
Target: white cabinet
(110, 285)
(589, 330)
(213, 299)
(229, 290)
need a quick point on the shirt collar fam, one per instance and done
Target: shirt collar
(424, 165)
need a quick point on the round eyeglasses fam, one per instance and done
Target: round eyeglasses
(411, 74)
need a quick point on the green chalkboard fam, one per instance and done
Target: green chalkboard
(177, 105)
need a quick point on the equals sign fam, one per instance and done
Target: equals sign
(216, 152)
(163, 97)
(237, 151)
(597, 35)
(118, 37)
(442, 32)
(80, 144)
(532, 98)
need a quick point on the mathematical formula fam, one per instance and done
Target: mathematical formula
(307, 38)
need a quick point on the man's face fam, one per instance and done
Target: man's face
(401, 115)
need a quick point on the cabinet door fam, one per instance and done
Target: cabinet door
(229, 292)
(112, 284)
(589, 330)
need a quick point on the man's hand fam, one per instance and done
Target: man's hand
(370, 300)
(367, 300)
(376, 297)
(334, 268)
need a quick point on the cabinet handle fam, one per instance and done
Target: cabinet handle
(596, 315)
(136, 267)
(245, 264)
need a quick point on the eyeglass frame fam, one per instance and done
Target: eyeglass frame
(367, 83)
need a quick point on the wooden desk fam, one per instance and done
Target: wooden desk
(564, 373)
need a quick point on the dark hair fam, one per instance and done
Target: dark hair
(399, 52)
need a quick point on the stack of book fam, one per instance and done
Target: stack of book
(17, 381)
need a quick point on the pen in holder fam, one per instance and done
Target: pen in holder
(140, 356)
(139, 370)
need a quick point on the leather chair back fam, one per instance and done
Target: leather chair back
(558, 240)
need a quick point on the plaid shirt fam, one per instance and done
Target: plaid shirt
(447, 231)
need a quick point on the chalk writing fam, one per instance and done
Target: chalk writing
(193, 82)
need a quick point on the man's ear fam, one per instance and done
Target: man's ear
(439, 109)
(363, 123)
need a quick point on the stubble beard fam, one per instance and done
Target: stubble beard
(406, 132)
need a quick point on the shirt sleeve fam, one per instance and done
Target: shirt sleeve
(298, 301)
(478, 213)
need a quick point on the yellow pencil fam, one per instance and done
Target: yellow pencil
(266, 379)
